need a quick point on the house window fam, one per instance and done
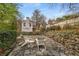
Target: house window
(30, 24)
(24, 24)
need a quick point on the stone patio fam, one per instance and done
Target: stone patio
(31, 47)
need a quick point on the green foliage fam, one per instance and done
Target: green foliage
(7, 38)
(26, 33)
(8, 11)
(68, 17)
(71, 16)
(8, 16)
(7, 26)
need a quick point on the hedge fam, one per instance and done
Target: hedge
(7, 38)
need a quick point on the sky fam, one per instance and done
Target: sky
(46, 9)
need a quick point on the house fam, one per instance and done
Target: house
(26, 25)
(29, 25)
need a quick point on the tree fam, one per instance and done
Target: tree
(43, 22)
(72, 7)
(8, 14)
(39, 19)
(69, 7)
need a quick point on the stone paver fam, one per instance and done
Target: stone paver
(30, 49)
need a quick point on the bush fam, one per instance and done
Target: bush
(7, 26)
(26, 33)
(37, 33)
(7, 38)
(53, 28)
(42, 29)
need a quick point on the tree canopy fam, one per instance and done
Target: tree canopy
(8, 11)
(38, 18)
(8, 14)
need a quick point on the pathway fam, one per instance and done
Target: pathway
(26, 49)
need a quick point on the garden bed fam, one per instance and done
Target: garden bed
(69, 39)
